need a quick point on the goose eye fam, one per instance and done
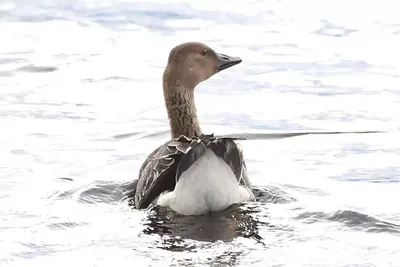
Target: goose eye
(204, 52)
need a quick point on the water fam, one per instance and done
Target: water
(81, 107)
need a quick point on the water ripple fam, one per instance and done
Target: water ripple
(316, 95)
(352, 219)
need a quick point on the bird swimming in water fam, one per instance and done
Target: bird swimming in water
(193, 173)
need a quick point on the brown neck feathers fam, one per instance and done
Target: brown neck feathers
(182, 113)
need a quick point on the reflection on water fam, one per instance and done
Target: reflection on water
(224, 226)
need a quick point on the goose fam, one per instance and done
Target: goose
(192, 173)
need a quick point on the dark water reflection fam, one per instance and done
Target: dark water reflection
(237, 221)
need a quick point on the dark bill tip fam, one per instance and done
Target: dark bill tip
(225, 61)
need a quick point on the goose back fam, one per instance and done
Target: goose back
(163, 167)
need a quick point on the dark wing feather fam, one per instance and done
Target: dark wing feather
(187, 160)
(244, 178)
(164, 165)
(157, 173)
(232, 155)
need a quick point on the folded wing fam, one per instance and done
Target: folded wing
(163, 167)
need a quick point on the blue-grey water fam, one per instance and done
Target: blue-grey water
(81, 106)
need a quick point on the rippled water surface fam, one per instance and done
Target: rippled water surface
(81, 106)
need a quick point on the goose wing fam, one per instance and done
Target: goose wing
(223, 147)
(157, 173)
(163, 167)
